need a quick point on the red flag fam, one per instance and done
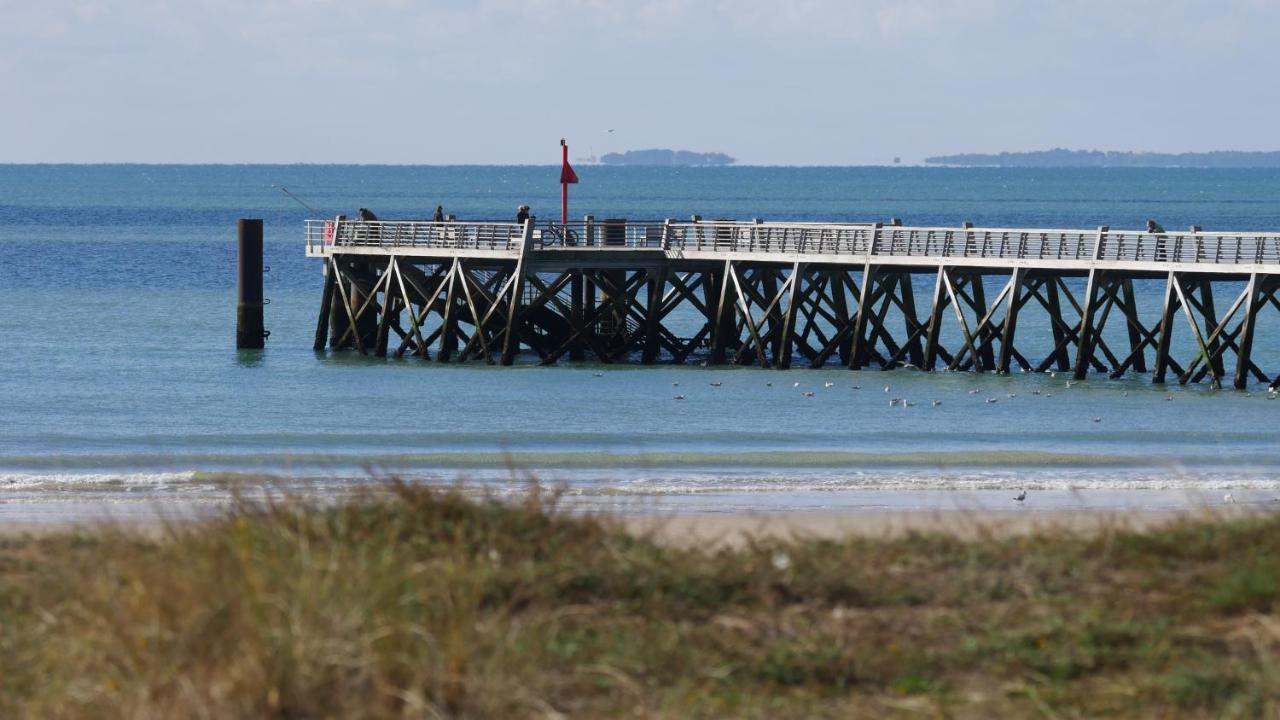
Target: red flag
(567, 175)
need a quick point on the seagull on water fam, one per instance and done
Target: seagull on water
(935, 403)
(679, 397)
(973, 392)
(795, 384)
(893, 402)
(675, 384)
(597, 374)
(827, 384)
(768, 384)
(716, 384)
(991, 400)
(1022, 495)
(1097, 419)
(807, 393)
(886, 388)
(857, 387)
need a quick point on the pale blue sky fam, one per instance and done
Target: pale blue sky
(811, 82)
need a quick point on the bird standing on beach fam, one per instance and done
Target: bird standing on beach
(1022, 495)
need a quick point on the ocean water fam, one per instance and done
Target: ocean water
(121, 383)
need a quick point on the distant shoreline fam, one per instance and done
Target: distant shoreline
(1062, 158)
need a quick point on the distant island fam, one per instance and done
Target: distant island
(1059, 157)
(663, 156)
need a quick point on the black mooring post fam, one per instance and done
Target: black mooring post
(249, 331)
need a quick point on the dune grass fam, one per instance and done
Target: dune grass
(422, 602)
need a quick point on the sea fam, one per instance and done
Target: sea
(121, 390)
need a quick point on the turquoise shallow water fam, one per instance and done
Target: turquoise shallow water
(120, 377)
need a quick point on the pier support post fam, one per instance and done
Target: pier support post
(723, 323)
(1084, 332)
(915, 351)
(1135, 331)
(250, 334)
(1011, 320)
(510, 343)
(1245, 355)
(858, 351)
(449, 315)
(577, 291)
(1166, 329)
(787, 335)
(935, 321)
(984, 358)
(1059, 357)
(1211, 323)
(656, 288)
(326, 305)
(388, 307)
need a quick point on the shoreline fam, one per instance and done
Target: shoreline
(722, 518)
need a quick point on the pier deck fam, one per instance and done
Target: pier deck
(766, 292)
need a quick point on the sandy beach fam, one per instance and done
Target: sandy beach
(733, 520)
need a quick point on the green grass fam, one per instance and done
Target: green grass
(422, 602)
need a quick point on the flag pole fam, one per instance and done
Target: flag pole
(564, 184)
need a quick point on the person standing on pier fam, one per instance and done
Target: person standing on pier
(439, 214)
(1157, 229)
(522, 214)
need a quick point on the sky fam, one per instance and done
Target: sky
(805, 82)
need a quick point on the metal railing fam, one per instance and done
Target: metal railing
(840, 240)
(497, 236)
(761, 237)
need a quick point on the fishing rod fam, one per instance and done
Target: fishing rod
(300, 201)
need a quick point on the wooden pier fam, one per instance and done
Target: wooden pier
(776, 294)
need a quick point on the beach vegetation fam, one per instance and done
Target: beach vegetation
(434, 602)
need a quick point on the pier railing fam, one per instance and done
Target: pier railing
(834, 240)
(407, 234)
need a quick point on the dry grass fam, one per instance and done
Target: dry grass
(425, 603)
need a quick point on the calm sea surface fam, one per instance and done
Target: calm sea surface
(120, 378)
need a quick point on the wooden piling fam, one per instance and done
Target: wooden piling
(1084, 331)
(1166, 329)
(250, 333)
(1245, 355)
